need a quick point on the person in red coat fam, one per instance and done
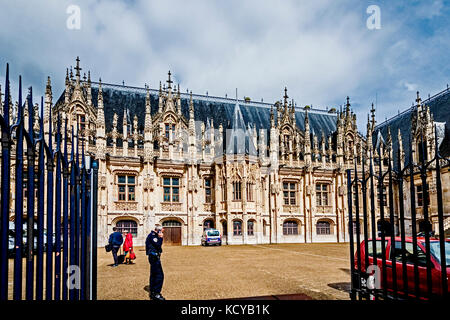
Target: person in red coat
(128, 246)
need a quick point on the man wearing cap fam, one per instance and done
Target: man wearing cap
(153, 249)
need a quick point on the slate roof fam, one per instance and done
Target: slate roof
(117, 97)
(440, 109)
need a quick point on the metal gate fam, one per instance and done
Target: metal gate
(391, 259)
(50, 252)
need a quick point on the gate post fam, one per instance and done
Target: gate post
(94, 207)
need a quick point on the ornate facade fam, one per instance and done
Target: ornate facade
(258, 172)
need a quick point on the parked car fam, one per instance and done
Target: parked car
(410, 259)
(211, 236)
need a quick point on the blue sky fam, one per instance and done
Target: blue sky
(321, 50)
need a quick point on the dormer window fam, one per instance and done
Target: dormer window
(167, 131)
(81, 120)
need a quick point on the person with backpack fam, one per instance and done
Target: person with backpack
(153, 250)
(115, 240)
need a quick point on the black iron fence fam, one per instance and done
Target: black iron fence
(393, 254)
(48, 219)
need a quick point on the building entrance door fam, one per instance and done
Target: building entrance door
(172, 233)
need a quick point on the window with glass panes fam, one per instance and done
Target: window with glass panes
(208, 190)
(237, 228)
(127, 187)
(167, 129)
(250, 225)
(420, 199)
(81, 122)
(322, 194)
(290, 228)
(127, 225)
(323, 227)
(383, 188)
(289, 193)
(237, 192)
(171, 187)
(250, 187)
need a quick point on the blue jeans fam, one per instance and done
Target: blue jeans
(114, 251)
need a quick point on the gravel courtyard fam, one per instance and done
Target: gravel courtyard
(320, 271)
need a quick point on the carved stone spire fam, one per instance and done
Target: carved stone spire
(125, 133)
(89, 90)
(192, 150)
(272, 119)
(307, 139)
(148, 110)
(347, 107)
(191, 106)
(148, 131)
(100, 142)
(400, 147)
(67, 91)
(77, 71)
(373, 122)
(48, 100)
(285, 98)
(78, 92)
(100, 108)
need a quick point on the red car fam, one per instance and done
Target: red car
(409, 256)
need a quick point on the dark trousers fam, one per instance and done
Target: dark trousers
(156, 274)
(114, 251)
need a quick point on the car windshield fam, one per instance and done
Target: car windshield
(435, 249)
(213, 233)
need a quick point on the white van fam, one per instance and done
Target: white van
(211, 236)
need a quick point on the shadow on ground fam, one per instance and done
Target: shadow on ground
(341, 286)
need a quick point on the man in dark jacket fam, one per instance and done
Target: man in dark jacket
(115, 240)
(153, 249)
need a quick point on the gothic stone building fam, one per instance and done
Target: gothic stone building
(258, 172)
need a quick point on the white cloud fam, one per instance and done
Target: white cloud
(410, 86)
(321, 50)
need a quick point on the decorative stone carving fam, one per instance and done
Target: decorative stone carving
(125, 206)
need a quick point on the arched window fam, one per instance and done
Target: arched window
(290, 228)
(208, 224)
(237, 228)
(171, 223)
(250, 230)
(323, 227)
(127, 225)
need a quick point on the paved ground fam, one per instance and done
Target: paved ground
(318, 271)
